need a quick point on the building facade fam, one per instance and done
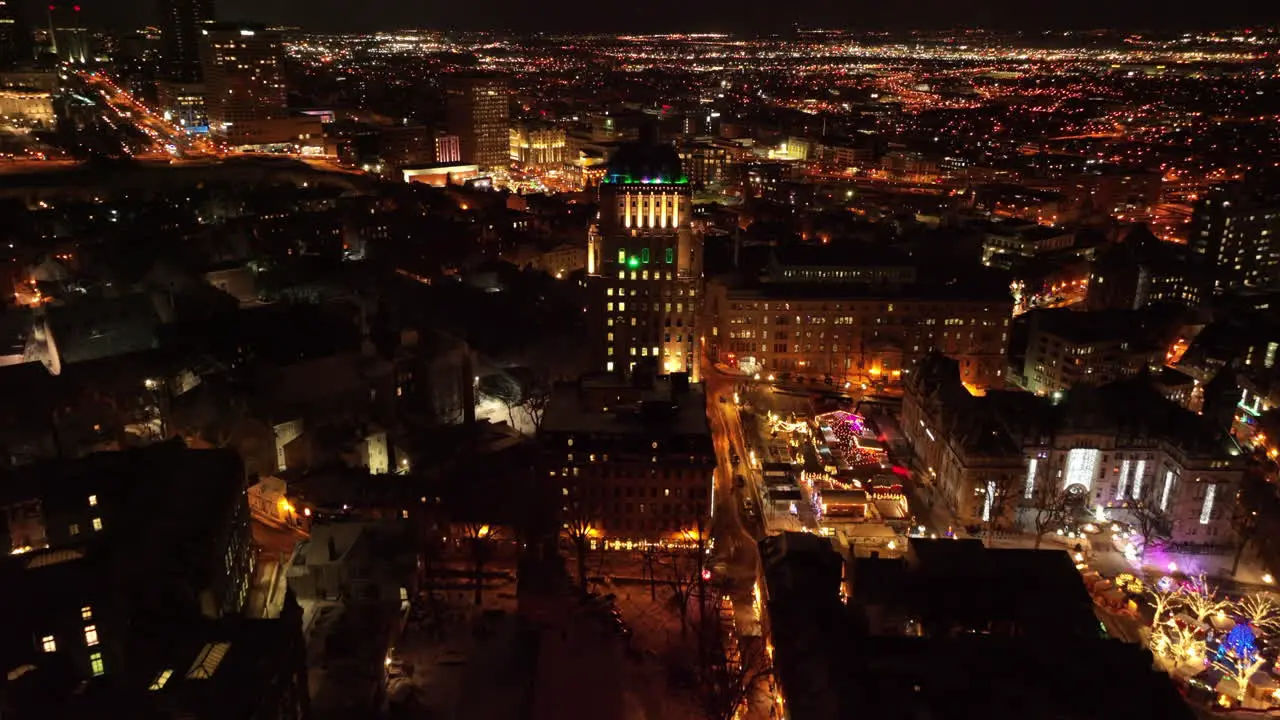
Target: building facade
(478, 109)
(632, 460)
(244, 76)
(1238, 232)
(871, 334)
(180, 25)
(644, 265)
(1066, 348)
(1113, 447)
(539, 147)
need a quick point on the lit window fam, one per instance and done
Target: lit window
(97, 523)
(93, 501)
(670, 255)
(90, 635)
(160, 680)
(48, 644)
(622, 256)
(644, 255)
(86, 613)
(95, 664)
(608, 366)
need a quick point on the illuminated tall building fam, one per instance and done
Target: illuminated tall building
(644, 264)
(243, 76)
(478, 108)
(15, 35)
(180, 23)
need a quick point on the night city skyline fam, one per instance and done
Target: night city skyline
(648, 361)
(750, 17)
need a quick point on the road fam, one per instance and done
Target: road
(150, 123)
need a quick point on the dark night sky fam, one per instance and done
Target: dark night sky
(758, 16)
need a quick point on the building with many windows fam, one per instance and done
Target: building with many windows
(1238, 230)
(856, 332)
(644, 264)
(180, 25)
(1113, 446)
(244, 76)
(478, 109)
(111, 559)
(632, 460)
(539, 146)
(1066, 348)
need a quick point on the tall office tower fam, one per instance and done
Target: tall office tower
(479, 114)
(644, 264)
(180, 23)
(243, 69)
(1237, 228)
(15, 35)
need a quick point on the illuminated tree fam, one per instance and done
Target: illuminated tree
(1180, 645)
(1260, 611)
(1241, 670)
(1202, 600)
(1163, 602)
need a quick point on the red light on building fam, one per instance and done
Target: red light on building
(75, 8)
(899, 470)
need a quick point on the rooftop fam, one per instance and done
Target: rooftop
(644, 163)
(608, 405)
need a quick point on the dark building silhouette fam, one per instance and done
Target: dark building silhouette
(181, 22)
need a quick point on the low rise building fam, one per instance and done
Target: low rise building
(1023, 239)
(884, 636)
(1115, 446)
(1067, 348)
(858, 333)
(31, 107)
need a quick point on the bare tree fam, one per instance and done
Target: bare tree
(1202, 600)
(681, 572)
(1260, 611)
(534, 405)
(1245, 522)
(649, 560)
(731, 669)
(504, 389)
(1001, 492)
(577, 529)
(480, 538)
(1151, 522)
(1052, 508)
